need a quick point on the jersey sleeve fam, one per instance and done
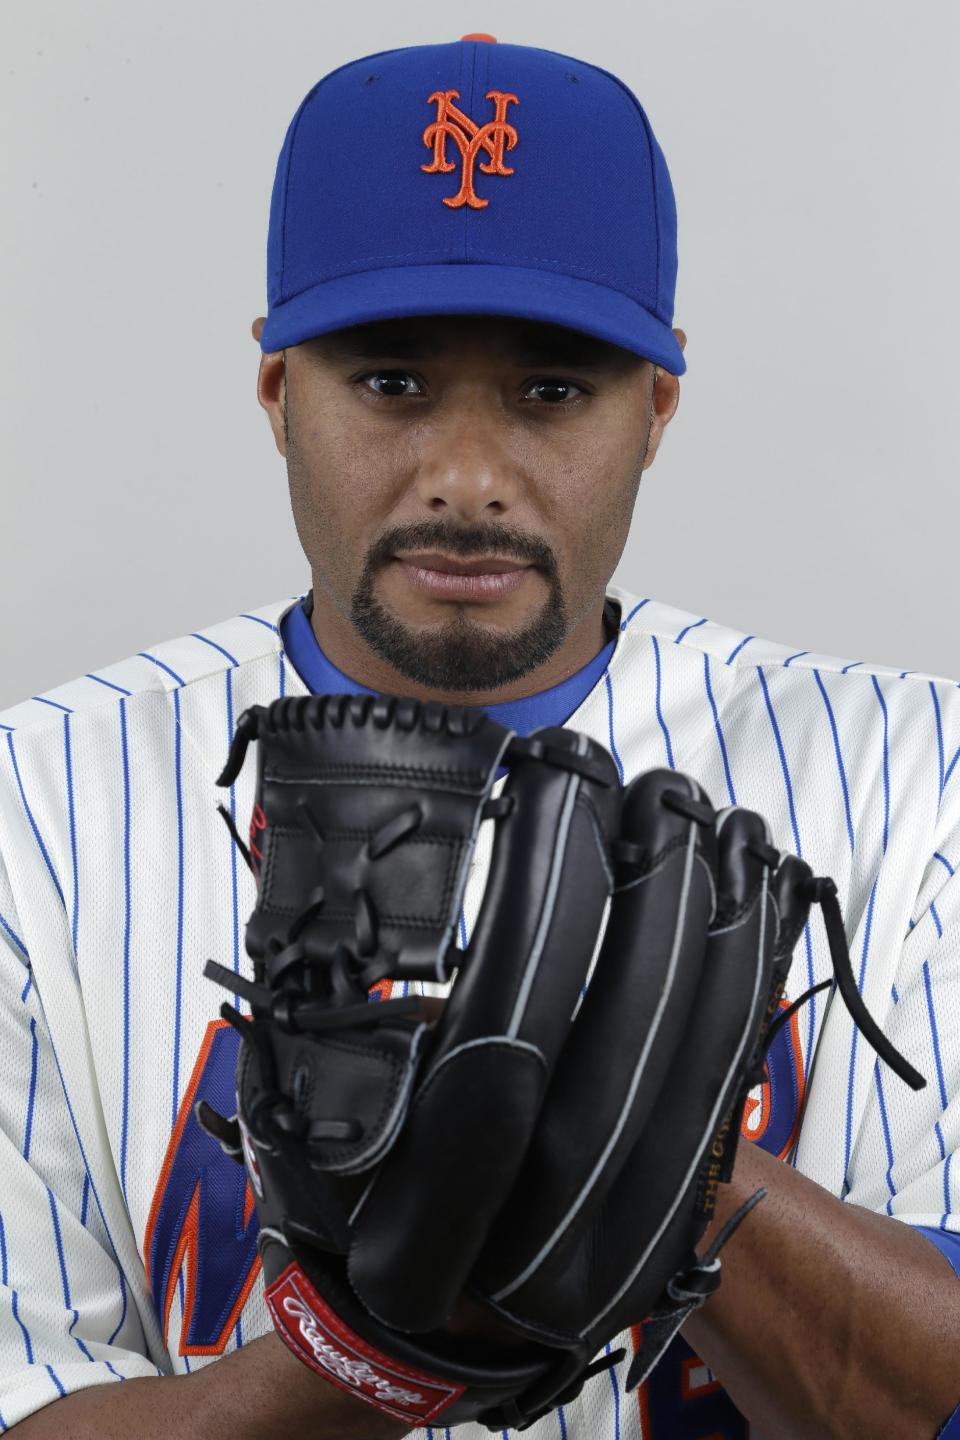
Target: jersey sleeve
(905, 1160)
(66, 1320)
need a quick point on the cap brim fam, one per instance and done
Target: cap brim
(473, 289)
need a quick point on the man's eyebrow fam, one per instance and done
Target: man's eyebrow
(370, 344)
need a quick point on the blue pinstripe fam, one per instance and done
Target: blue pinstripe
(563, 1423)
(695, 625)
(943, 861)
(613, 747)
(214, 646)
(663, 727)
(4, 1276)
(719, 728)
(161, 666)
(33, 824)
(848, 1131)
(852, 666)
(928, 989)
(55, 1378)
(76, 1338)
(54, 704)
(103, 1218)
(28, 1343)
(14, 936)
(233, 848)
(26, 989)
(838, 753)
(283, 674)
(126, 945)
(886, 1135)
(950, 769)
(178, 998)
(737, 648)
(868, 929)
(32, 1095)
(113, 1371)
(939, 720)
(886, 763)
(812, 1004)
(73, 829)
(259, 620)
(4, 1427)
(936, 920)
(123, 1287)
(463, 930)
(799, 656)
(84, 1200)
(109, 683)
(639, 606)
(946, 1192)
(615, 1383)
(59, 1243)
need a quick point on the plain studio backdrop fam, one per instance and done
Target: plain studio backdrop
(806, 490)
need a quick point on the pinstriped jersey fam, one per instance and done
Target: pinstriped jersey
(128, 1248)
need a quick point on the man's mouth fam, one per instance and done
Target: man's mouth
(447, 577)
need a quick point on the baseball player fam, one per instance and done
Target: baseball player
(468, 363)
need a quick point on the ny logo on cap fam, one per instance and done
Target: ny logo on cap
(469, 138)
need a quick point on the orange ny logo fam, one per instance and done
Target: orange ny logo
(469, 139)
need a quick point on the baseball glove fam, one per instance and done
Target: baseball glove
(552, 1144)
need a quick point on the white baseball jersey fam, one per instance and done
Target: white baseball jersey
(127, 1239)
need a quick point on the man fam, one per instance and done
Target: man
(468, 364)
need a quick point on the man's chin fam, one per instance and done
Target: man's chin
(458, 656)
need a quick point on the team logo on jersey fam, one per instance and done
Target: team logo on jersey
(469, 138)
(203, 1225)
(771, 1116)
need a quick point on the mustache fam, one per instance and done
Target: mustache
(497, 541)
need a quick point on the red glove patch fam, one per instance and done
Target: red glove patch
(318, 1336)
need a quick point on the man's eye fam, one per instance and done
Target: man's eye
(391, 383)
(555, 392)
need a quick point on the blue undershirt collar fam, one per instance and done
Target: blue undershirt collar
(547, 707)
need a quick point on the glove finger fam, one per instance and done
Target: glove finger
(666, 1186)
(612, 1068)
(502, 1028)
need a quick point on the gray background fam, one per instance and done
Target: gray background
(806, 490)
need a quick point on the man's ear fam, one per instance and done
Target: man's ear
(663, 403)
(272, 387)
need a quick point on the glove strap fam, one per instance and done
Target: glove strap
(687, 1290)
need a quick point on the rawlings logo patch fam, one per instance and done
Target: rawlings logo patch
(320, 1338)
(469, 139)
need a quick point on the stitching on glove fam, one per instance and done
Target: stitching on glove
(385, 1139)
(473, 782)
(602, 1160)
(542, 1332)
(738, 916)
(587, 801)
(493, 1040)
(719, 1109)
(532, 966)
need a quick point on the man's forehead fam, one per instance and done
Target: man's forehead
(422, 336)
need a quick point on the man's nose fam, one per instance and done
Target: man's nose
(466, 471)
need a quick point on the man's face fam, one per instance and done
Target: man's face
(464, 437)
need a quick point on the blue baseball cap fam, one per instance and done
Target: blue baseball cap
(473, 178)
